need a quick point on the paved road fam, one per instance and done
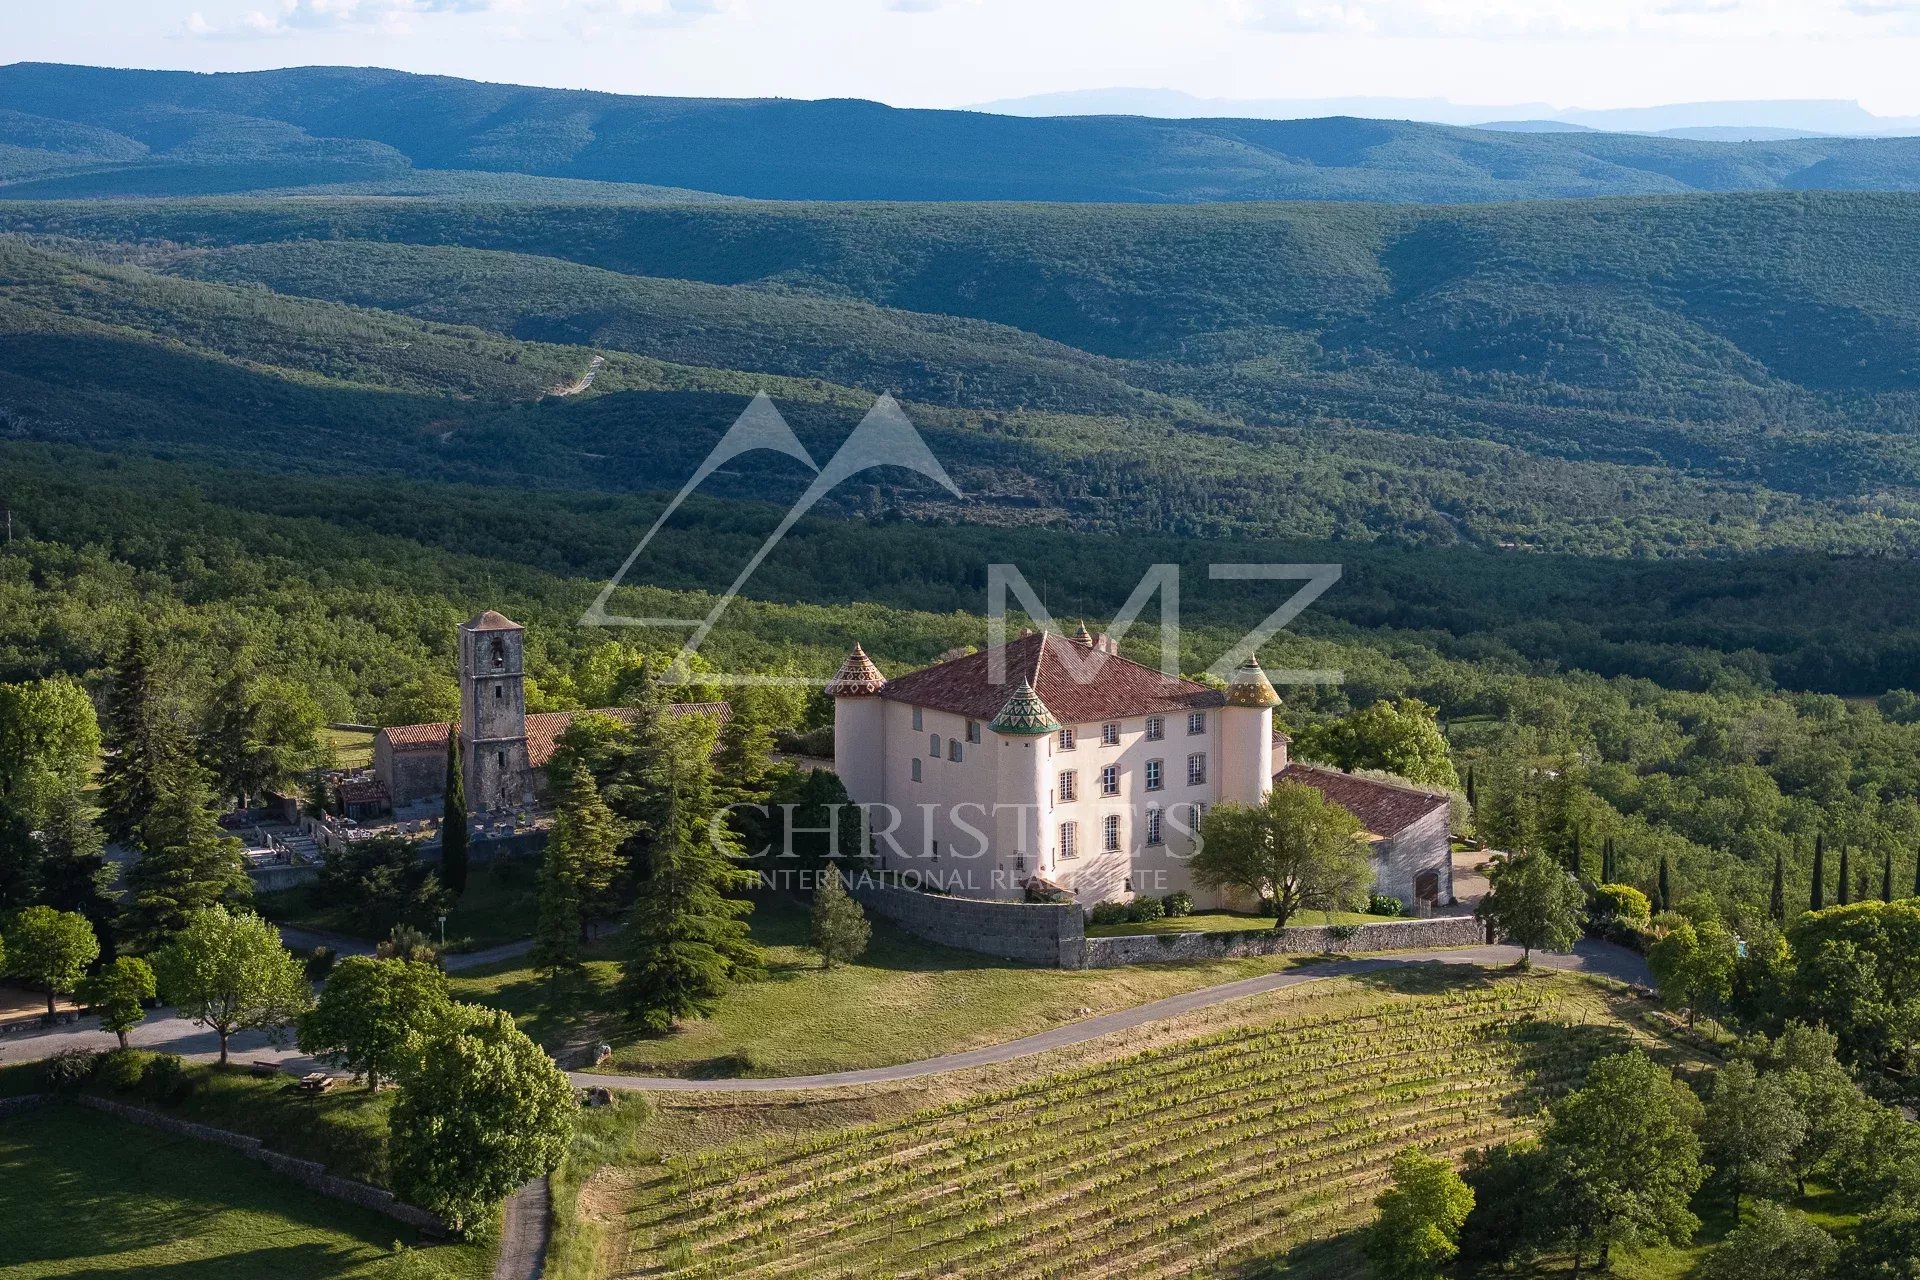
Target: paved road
(1588, 957)
(525, 1232)
(165, 1031)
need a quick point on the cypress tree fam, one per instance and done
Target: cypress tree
(1777, 904)
(1845, 893)
(1577, 863)
(1473, 808)
(1666, 884)
(1886, 878)
(1818, 897)
(1916, 877)
(453, 820)
(1608, 870)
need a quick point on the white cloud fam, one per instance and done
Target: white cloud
(397, 17)
(910, 6)
(1572, 19)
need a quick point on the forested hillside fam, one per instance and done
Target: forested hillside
(88, 131)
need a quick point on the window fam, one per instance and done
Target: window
(1019, 862)
(1110, 780)
(953, 749)
(499, 692)
(973, 731)
(1069, 786)
(1156, 774)
(1153, 827)
(917, 726)
(1196, 768)
(1110, 832)
(1069, 839)
(933, 745)
(499, 652)
(1156, 728)
(916, 768)
(1199, 816)
(936, 851)
(501, 758)
(1066, 739)
(1109, 735)
(1196, 722)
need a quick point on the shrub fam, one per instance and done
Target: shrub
(166, 1078)
(68, 1069)
(1178, 903)
(1109, 913)
(1383, 904)
(1622, 903)
(120, 1070)
(1141, 910)
(320, 962)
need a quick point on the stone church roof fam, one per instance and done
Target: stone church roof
(543, 728)
(1076, 682)
(491, 621)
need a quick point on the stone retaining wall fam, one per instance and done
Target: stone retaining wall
(1400, 935)
(1038, 933)
(308, 1173)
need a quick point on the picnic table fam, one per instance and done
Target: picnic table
(316, 1082)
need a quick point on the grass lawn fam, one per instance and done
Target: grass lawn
(352, 748)
(84, 1194)
(904, 1000)
(500, 904)
(1234, 921)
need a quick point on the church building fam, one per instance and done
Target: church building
(502, 748)
(1055, 763)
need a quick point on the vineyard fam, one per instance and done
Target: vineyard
(1190, 1159)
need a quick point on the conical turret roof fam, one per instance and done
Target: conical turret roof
(857, 677)
(1025, 714)
(1082, 635)
(1250, 686)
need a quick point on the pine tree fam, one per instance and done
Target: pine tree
(1817, 899)
(1777, 903)
(556, 935)
(453, 820)
(143, 739)
(1666, 885)
(840, 928)
(1845, 893)
(592, 836)
(72, 869)
(687, 939)
(187, 863)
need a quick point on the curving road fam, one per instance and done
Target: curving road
(1603, 959)
(166, 1031)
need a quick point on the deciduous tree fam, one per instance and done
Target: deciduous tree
(51, 949)
(1753, 1128)
(118, 992)
(1295, 849)
(1418, 1231)
(229, 973)
(373, 1016)
(1773, 1243)
(1532, 901)
(1693, 963)
(1401, 737)
(481, 1110)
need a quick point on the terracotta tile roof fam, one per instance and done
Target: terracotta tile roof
(362, 791)
(543, 728)
(1385, 809)
(490, 620)
(1118, 686)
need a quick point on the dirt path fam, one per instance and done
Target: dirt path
(525, 1233)
(582, 382)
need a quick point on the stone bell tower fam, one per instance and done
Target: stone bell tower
(493, 713)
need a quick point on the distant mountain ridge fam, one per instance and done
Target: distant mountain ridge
(70, 131)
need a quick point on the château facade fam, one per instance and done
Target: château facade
(1057, 764)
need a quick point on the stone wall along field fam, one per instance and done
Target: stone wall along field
(1037, 933)
(1400, 935)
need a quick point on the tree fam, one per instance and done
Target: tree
(1693, 963)
(259, 733)
(586, 827)
(1843, 893)
(1774, 1243)
(453, 820)
(1665, 895)
(687, 938)
(72, 865)
(51, 949)
(1534, 902)
(1295, 849)
(1624, 1158)
(840, 928)
(118, 992)
(1401, 738)
(186, 862)
(482, 1109)
(1753, 1127)
(1817, 898)
(229, 973)
(49, 741)
(1510, 1219)
(382, 881)
(373, 1016)
(1777, 900)
(562, 917)
(1418, 1231)
(1886, 877)
(1804, 1060)
(144, 739)
(1857, 971)
(1886, 1245)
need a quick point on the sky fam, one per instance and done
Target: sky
(939, 53)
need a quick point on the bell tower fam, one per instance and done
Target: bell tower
(493, 713)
